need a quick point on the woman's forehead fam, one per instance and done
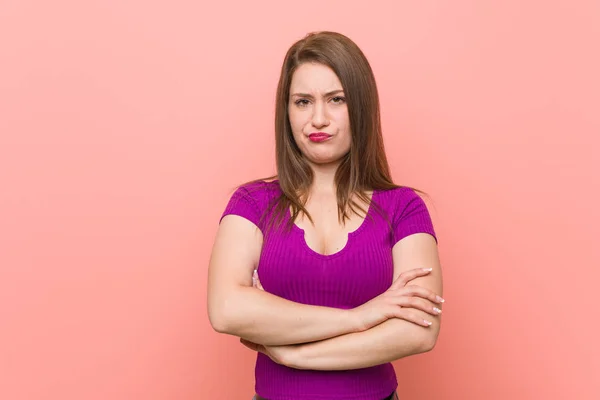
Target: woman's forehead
(314, 79)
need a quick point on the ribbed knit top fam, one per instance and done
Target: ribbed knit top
(360, 271)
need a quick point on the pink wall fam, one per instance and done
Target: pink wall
(125, 126)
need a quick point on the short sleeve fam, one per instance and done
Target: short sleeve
(242, 203)
(411, 216)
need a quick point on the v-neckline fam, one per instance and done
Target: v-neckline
(351, 235)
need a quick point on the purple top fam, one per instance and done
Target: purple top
(362, 270)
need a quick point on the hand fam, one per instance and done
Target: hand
(256, 281)
(400, 301)
(283, 355)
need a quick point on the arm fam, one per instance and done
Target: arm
(390, 340)
(236, 308)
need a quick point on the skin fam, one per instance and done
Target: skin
(317, 104)
(403, 321)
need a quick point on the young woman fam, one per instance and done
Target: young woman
(328, 270)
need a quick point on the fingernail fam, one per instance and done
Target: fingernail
(427, 322)
(438, 298)
(427, 269)
(437, 310)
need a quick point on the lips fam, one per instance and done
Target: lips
(319, 136)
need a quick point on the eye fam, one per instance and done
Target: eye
(338, 100)
(301, 102)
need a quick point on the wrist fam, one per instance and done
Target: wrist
(294, 358)
(354, 322)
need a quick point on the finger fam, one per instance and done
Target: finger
(416, 290)
(252, 345)
(248, 344)
(408, 276)
(255, 279)
(420, 304)
(413, 316)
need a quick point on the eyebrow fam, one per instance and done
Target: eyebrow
(326, 94)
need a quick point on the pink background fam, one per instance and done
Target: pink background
(125, 125)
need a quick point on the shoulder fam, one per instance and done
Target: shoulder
(251, 200)
(260, 192)
(408, 211)
(397, 199)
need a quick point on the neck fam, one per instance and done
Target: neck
(324, 178)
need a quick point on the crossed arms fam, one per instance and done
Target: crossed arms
(401, 322)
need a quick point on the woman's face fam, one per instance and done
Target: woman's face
(318, 114)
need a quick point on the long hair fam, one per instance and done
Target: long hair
(365, 166)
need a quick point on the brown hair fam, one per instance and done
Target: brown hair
(365, 166)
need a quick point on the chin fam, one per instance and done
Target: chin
(325, 160)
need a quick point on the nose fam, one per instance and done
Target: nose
(319, 116)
